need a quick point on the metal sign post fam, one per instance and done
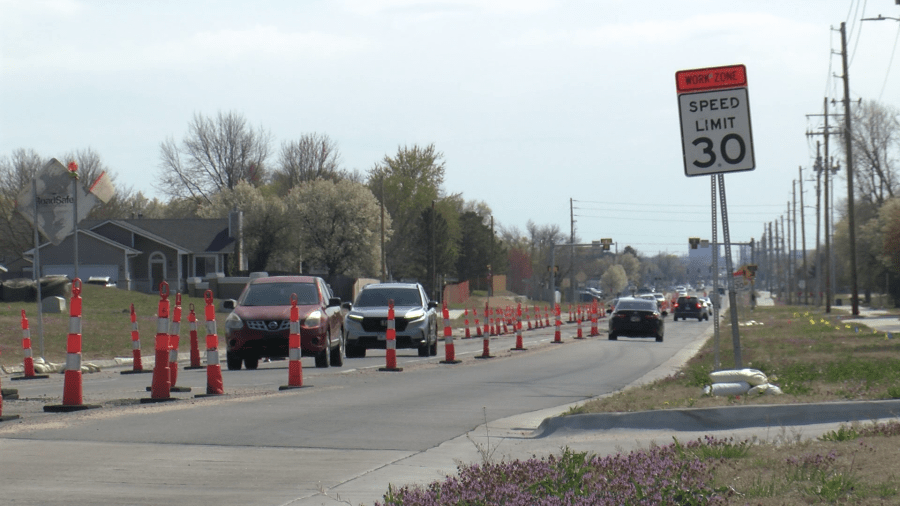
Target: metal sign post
(716, 138)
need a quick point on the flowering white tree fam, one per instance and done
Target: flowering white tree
(339, 226)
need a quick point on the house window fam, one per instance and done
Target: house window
(204, 266)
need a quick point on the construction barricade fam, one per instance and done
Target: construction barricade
(72, 400)
(213, 368)
(195, 342)
(160, 386)
(390, 345)
(295, 367)
(28, 361)
(519, 344)
(137, 366)
(449, 349)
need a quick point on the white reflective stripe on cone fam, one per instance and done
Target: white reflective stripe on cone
(448, 339)
(295, 328)
(446, 322)
(134, 326)
(175, 329)
(391, 344)
(391, 324)
(162, 325)
(211, 327)
(212, 357)
(294, 354)
(173, 355)
(136, 344)
(192, 326)
(73, 362)
(75, 325)
(26, 333)
(28, 353)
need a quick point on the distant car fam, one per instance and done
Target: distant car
(636, 317)
(655, 297)
(415, 319)
(260, 321)
(101, 281)
(690, 307)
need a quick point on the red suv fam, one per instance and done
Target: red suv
(259, 325)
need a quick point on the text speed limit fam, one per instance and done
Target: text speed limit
(715, 132)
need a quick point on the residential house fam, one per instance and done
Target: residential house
(138, 254)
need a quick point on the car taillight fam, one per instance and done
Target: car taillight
(621, 315)
(676, 305)
(652, 316)
(698, 305)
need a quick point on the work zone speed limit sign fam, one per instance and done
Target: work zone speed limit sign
(715, 120)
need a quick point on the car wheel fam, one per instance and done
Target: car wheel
(322, 356)
(674, 318)
(613, 336)
(337, 353)
(251, 362)
(659, 339)
(233, 361)
(355, 350)
(424, 348)
(699, 318)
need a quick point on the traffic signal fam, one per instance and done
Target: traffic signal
(694, 242)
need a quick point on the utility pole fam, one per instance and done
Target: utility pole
(383, 257)
(790, 259)
(803, 239)
(848, 141)
(572, 252)
(773, 260)
(823, 166)
(785, 280)
(794, 255)
(818, 168)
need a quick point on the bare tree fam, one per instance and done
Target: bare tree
(313, 156)
(16, 172)
(876, 152)
(214, 155)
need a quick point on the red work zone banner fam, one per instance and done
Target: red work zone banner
(714, 78)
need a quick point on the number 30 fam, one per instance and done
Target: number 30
(707, 150)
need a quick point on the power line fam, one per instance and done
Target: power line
(890, 61)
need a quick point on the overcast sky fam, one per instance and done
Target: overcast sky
(532, 102)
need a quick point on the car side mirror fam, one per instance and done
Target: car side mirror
(334, 301)
(229, 304)
(432, 304)
(347, 305)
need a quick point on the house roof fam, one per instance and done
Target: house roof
(29, 255)
(186, 235)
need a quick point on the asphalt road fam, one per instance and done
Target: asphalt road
(343, 437)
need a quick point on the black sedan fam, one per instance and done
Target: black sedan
(636, 318)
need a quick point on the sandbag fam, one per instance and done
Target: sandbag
(55, 286)
(723, 389)
(19, 290)
(751, 376)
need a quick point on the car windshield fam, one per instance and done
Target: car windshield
(379, 297)
(279, 294)
(639, 305)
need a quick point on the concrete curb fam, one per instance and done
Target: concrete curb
(725, 418)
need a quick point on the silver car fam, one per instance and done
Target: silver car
(415, 319)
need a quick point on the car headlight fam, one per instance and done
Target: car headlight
(355, 317)
(233, 322)
(415, 315)
(314, 319)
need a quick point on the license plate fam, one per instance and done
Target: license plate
(635, 318)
